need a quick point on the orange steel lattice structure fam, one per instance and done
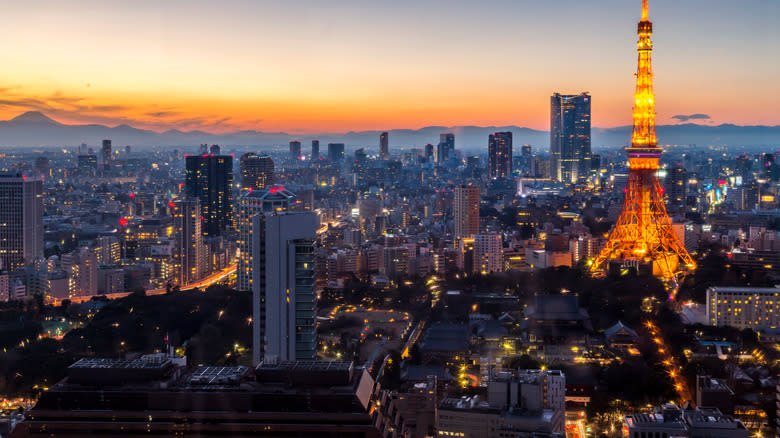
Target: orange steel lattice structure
(643, 232)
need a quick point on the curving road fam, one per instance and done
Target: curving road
(214, 278)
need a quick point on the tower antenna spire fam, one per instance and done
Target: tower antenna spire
(643, 236)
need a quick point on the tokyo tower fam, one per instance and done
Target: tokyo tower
(643, 236)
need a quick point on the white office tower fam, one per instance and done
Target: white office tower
(283, 286)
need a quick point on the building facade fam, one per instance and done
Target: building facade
(190, 256)
(295, 149)
(488, 253)
(465, 209)
(336, 151)
(250, 204)
(570, 137)
(500, 155)
(283, 286)
(446, 148)
(106, 153)
(315, 150)
(384, 146)
(257, 171)
(210, 178)
(21, 220)
(743, 307)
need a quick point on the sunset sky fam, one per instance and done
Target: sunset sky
(332, 66)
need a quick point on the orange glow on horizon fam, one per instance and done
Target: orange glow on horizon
(312, 67)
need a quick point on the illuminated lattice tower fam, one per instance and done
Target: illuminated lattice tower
(643, 234)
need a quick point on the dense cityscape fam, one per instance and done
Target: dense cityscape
(451, 289)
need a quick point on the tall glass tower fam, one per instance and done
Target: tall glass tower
(209, 177)
(570, 137)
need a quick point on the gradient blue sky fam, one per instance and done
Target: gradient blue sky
(304, 66)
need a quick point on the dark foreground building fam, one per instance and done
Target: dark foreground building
(151, 396)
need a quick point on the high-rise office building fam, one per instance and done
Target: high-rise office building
(446, 148)
(190, 255)
(315, 150)
(106, 151)
(21, 220)
(283, 286)
(295, 149)
(336, 151)
(570, 137)
(210, 179)
(384, 146)
(500, 155)
(249, 204)
(257, 171)
(466, 211)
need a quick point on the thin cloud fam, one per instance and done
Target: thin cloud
(77, 109)
(687, 117)
(162, 113)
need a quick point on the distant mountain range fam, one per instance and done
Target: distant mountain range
(35, 129)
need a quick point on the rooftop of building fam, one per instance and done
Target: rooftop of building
(620, 329)
(746, 290)
(710, 384)
(146, 382)
(670, 416)
(475, 404)
(526, 375)
(705, 417)
(276, 193)
(556, 307)
(446, 337)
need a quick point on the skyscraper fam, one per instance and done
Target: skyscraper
(189, 255)
(570, 137)
(210, 179)
(315, 150)
(249, 204)
(257, 171)
(500, 155)
(106, 153)
(466, 211)
(21, 220)
(282, 277)
(446, 148)
(384, 148)
(295, 149)
(336, 151)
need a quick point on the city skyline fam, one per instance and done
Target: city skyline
(309, 79)
(569, 281)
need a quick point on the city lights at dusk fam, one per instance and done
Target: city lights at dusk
(431, 219)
